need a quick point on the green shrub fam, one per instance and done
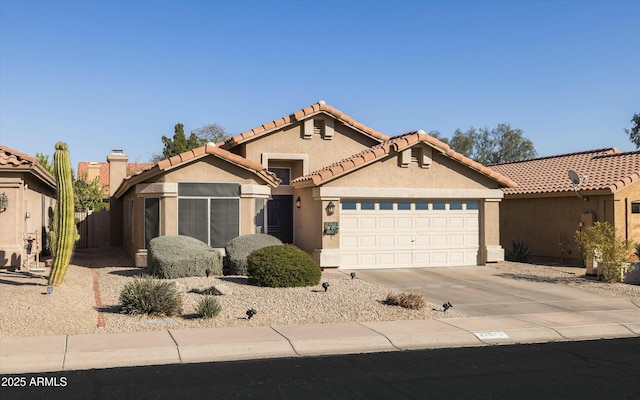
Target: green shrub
(208, 307)
(282, 266)
(171, 257)
(150, 296)
(601, 243)
(239, 248)
(519, 251)
(411, 300)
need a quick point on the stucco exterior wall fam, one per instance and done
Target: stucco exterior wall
(628, 223)
(34, 201)
(549, 224)
(443, 173)
(321, 152)
(307, 226)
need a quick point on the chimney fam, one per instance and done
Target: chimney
(117, 169)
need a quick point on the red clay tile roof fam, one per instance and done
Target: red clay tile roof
(11, 159)
(192, 155)
(319, 107)
(132, 168)
(397, 144)
(605, 169)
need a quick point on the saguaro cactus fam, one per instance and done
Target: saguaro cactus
(64, 216)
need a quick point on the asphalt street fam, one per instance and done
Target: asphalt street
(565, 370)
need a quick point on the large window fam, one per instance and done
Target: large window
(209, 212)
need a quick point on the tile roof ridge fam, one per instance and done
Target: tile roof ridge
(318, 107)
(609, 150)
(19, 155)
(617, 154)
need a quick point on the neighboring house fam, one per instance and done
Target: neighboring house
(347, 194)
(546, 211)
(27, 191)
(90, 170)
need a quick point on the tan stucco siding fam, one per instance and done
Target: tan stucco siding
(443, 173)
(628, 224)
(34, 199)
(307, 219)
(548, 224)
(210, 169)
(321, 152)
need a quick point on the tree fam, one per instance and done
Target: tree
(88, 195)
(602, 243)
(43, 159)
(498, 145)
(211, 133)
(180, 143)
(634, 132)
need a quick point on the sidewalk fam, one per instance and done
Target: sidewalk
(108, 350)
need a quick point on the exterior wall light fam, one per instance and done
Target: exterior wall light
(331, 208)
(4, 202)
(298, 202)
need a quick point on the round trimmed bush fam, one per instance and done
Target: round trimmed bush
(178, 256)
(239, 248)
(282, 266)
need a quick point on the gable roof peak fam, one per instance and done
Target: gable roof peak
(305, 113)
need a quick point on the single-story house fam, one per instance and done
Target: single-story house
(546, 209)
(27, 190)
(347, 194)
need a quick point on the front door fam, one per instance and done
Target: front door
(280, 217)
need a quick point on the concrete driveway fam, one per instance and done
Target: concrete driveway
(480, 291)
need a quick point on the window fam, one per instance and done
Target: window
(472, 205)
(635, 208)
(404, 205)
(439, 205)
(151, 219)
(386, 205)
(367, 205)
(209, 212)
(284, 174)
(455, 205)
(422, 205)
(348, 205)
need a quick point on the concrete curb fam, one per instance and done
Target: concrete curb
(109, 350)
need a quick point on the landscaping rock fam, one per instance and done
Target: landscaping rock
(222, 290)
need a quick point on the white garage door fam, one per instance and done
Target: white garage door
(402, 234)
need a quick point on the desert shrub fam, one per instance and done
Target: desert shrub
(150, 296)
(282, 266)
(411, 300)
(239, 248)
(208, 307)
(601, 243)
(637, 252)
(171, 257)
(519, 251)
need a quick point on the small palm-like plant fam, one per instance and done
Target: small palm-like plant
(519, 251)
(151, 296)
(208, 307)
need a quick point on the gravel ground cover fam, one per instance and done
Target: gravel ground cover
(74, 308)
(87, 301)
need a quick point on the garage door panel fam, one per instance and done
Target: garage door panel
(383, 238)
(367, 241)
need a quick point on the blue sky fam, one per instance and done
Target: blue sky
(101, 75)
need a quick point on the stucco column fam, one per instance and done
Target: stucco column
(490, 232)
(328, 256)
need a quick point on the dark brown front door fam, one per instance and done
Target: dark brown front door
(280, 217)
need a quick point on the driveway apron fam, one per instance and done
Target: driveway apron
(484, 291)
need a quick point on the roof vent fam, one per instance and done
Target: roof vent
(117, 151)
